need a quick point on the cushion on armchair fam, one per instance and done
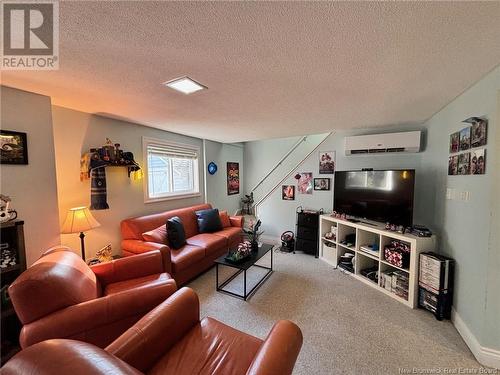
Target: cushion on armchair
(175, 232)
(209, 220)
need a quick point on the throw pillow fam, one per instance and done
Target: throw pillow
(208, 221)
(158, 235)
(175, 232)
(224, 218)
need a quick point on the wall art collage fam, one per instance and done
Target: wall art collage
(468, 155)
(306, 183)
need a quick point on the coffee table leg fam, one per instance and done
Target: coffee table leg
(217, 276)
(245, 284)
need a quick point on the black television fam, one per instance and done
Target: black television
(379, 195)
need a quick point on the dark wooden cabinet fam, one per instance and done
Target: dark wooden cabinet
(306, 234)
(12, 264)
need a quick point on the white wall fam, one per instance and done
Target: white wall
(32, 187)
(74, 133)
(221, 153)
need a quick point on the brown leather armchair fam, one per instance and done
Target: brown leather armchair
(171, 339)
(59, 296)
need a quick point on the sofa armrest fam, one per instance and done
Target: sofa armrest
(127, 268)
(77, 320)
(138, 247)
(236, 221)
(142, 345)
(279, 351)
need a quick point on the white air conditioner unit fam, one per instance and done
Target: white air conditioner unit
(382, 143)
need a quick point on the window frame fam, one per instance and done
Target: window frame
(146, 141)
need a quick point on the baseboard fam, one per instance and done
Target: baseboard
(485, 356)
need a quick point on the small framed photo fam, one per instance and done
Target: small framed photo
(464, 163)
(478, 161)
(478, 132)
(14, 147)
(454, 142)
(321, 184)
(288, 192)
(453, 165)
(465, 139)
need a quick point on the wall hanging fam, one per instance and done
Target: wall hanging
(233, 178)
(93, 165)
(288, 192)
(326, 162)
(305, 183)
(14, 147)
(321, 184)
(212, 168)
(472, 162)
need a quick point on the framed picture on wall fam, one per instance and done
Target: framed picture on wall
(321, 184)
(465, 139)
(453, 165)
(326, 162)
(233, 178)
(478, 132)
(14, 147)
(288, 192)
(305, 183)
(464, 163)
(454, 142)
(478, 161)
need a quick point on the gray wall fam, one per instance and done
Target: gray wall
(74, 133)
(32, 187)
(221, 153)
(464, 227)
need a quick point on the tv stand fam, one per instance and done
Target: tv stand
(368, 234)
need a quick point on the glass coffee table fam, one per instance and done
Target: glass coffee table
(243, 267)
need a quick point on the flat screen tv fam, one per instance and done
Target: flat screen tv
(385, 196)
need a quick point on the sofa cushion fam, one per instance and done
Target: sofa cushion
(233, 235)
(208, 220)
(209, 241)
(146, 281)
(186, 256)
(224, 218)
(175, 232)
(158, 235)
(213, 347)
(133, 228)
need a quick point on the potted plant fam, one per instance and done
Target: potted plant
(253, 234)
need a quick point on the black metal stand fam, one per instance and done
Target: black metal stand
(82, 244)
(245, 296)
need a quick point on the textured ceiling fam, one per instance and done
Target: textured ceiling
(273, 69)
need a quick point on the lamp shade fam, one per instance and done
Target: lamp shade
(79, 219)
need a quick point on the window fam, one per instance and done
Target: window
(172, 170)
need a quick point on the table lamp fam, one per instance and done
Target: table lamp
(79, 219)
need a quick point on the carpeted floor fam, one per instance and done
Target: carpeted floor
(348, 327)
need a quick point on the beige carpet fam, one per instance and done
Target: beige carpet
(348, 327)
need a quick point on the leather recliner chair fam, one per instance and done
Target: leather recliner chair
(60, 296)
(171, 339)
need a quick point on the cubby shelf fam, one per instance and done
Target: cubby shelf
(371, 233)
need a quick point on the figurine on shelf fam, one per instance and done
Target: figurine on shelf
(6, 213)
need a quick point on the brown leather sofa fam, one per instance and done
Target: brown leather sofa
(192, 259)
(59, 296)
(171, 339)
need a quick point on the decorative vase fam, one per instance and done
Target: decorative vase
(255, 246)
